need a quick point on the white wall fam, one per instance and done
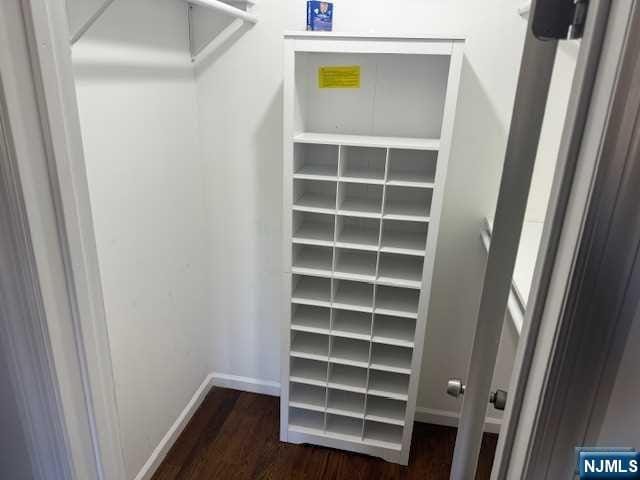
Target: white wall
(137, 101)
(240, 114)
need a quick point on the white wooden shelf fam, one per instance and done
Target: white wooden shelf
(349, 404)
(308, 397)
(350, 324)
(309, 372)
(398, 302)
(310, 319)
(347, 351)
(390, 358)
(394, 331)
(389, 385)
(385, 410)
(314, 202)
(310, 346)
(313, 260)
(367, 141)
(345, 377)
(354, 296)
(312, 291)
(364, 172)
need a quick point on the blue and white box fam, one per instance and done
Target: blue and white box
(320, 16)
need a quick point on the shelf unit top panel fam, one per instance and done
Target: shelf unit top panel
(431, 144)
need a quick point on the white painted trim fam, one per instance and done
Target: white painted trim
(450, 418)
(160, 452)
(246, 384)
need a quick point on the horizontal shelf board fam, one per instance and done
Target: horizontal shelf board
(350, 437)
(388, 385)
(398, 282)
(345, 413)
(344, 427)
(356, 266)
(390, 421)
(413, 179)
(313, 261)
(308, 381)
(311, 202)
(407, 243)
(392, 341)
(312, 291)
(314, 347)
(409, 183)
(388, 368)
(406, 217)
(358, 238)
(368, 141)
(363, 176)
(360, 207)
(307, 430)
(311, 271)
(384, 444)
(383, 435)
(317, 172)
(354, 296)
(307, 319)
(314, 234)
(391, 358)
(308, 372)
(346, 388)
(351, 379)
(394, 331)
(350, 352)
(398, 302)
(347, 334)
(306, 406)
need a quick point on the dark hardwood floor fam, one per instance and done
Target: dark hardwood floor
(234, 435)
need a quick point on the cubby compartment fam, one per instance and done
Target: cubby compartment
(314, 196)
(308, 318)
(388, 385)
(345, 403)
(394, 301)
(407, 238)
(313, 228)
(311, 372)
(312, 346)
(360, 200)
(306, 421)
(362, 164)
(391, 358)
(408, 203)
(412, 168)
(349, 351)
(309, 397)
(346, 377)
(358, 233)
(308, 290)
(355, 265)
(318, 162)
(394, 330)
(312, 260)
(400, 270)
(383, 435)
(351, 295)
(398, 96)
(351, 324)
(386, 410)
(345, 428)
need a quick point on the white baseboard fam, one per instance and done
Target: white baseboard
(160, 452)
(246, 384)
(267, 387)
(451, 419)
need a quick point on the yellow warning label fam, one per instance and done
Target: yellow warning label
(339, 76)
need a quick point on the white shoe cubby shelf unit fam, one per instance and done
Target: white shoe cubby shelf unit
(364, 173)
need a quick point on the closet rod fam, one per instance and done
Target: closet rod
(225, 8)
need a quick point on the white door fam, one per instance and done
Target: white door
(529, 110)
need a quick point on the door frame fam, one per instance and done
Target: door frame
(60, 273)
(589, 266)
(54, 329)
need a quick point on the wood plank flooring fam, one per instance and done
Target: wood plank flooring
(234, 435)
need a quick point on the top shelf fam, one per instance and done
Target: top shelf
(431, 144)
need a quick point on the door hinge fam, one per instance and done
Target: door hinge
(559, 19)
